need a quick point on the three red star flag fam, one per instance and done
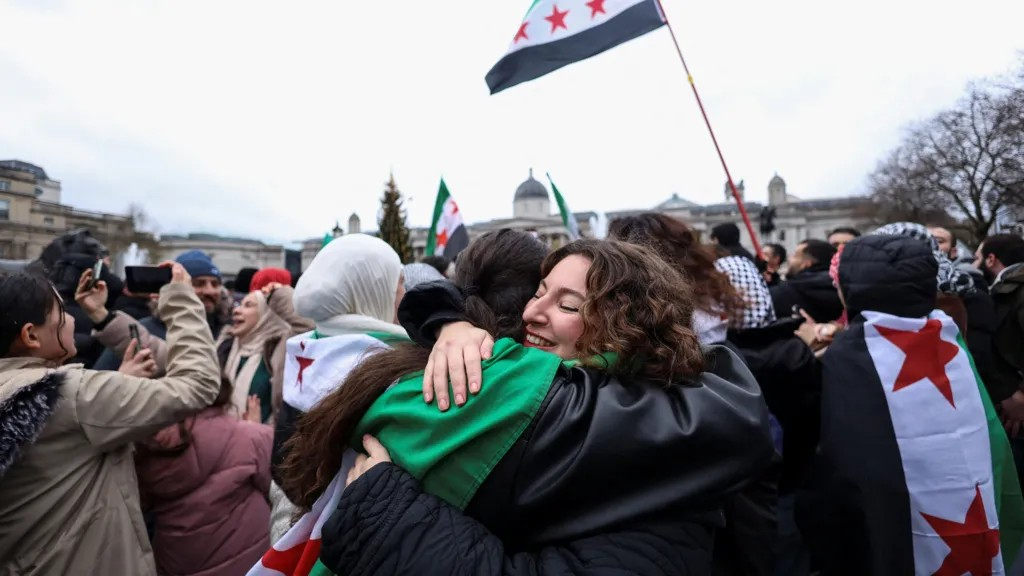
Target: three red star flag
(556, 33)
(448, 235)
(915, 474)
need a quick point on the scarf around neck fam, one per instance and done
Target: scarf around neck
(247, 351)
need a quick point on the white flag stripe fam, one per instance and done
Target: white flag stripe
(945, 450)
(331, 360)
(579, 19)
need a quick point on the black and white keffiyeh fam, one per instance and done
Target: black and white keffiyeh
(950, 280)
(745, 277)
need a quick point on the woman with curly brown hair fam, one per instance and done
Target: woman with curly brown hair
(600, 445)
(716, 299)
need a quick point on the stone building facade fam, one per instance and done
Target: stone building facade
(32, 215)
(229, 254)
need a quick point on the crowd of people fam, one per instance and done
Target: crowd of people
(641, 404)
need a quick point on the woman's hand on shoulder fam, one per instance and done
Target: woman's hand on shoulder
(458, 353)
(376, 453)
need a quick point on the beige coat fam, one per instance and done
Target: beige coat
(69, 502)
(116, 337)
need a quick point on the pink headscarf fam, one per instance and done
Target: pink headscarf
(833, 269)
(833, 272)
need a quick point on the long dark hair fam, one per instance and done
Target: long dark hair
(635, 307)
(677, 243)
(26, 298)
(498, 274)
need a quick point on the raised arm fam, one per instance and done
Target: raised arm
(112, 328)
(280, 300)
(114, 409)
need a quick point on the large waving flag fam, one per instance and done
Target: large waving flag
(556, 33)
(915, 473)
(448, 235)
(568, 220)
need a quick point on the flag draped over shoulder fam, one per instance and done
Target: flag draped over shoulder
(297, 553)
(451, 453)
(915, 474)
(556, 33)
(448, 235)
(568, 220)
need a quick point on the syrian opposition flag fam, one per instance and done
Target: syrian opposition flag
(556, 33)
(568, 220)
(448, 235)
(297, 553)
(915, 474)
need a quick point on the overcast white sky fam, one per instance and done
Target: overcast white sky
(273, 119)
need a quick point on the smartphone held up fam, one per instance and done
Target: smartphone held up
(146, 279)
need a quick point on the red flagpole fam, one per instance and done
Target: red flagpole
(732, 186)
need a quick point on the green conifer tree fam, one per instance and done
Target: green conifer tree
(392, 222)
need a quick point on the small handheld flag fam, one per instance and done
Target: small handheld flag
(556, 33)
(568, 220)
(448, 235)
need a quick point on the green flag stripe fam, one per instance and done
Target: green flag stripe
(453, 452)
(1009, 502)
(563, 208)
(442, 197)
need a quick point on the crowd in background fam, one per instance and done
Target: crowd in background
(642, 404)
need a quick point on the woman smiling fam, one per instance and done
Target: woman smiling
(604, 434)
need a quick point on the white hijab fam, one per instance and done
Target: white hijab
(350, 287)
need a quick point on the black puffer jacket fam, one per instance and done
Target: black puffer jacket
(610, 477)
(392, 527)
(811, 290)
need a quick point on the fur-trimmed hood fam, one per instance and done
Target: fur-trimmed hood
(28, 395)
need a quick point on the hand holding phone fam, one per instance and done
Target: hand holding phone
(133, 333)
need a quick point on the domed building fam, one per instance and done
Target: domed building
(531, 200)
(796, 219)
(532, 211)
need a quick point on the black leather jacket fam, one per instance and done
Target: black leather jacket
(606, 459)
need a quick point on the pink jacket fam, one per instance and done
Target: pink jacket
(210, 501)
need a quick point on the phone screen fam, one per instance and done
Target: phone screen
(97, 269)
(146, 279)
(133, 333)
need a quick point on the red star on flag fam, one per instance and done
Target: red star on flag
(557, 19)
(442, 239)
(972, 544)
(303, 363)
(927, 355)
(521, 35)
(596, 7)
(299, 559)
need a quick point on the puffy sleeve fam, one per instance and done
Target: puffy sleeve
(428, 307)
(385, 524)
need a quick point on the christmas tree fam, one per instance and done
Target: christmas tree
(392, 222)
